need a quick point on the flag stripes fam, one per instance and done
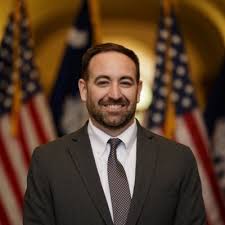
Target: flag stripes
(32, 122)
(3, 215)
(41, 107)
(37, 122)
(190, 134)
(187, 121)
(32, 139)
(11, 172)
(23, 143)
(8, 201)
(16, 152)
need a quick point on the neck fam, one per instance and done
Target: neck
(112, 132)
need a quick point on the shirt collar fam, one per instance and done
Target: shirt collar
(127, 137)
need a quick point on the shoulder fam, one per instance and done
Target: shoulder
(57, 148)
(169, 149)
(173, 161)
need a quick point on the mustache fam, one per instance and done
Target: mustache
(111, 101)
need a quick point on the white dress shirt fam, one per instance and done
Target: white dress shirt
(126, 154)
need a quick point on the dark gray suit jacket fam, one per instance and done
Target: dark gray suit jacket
(64, 187)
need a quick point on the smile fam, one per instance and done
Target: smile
(116, 107)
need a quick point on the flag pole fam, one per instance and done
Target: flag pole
(167, 7)
(169, 127)
(16, 67)
(95, 20)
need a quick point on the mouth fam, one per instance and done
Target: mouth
(114, 107)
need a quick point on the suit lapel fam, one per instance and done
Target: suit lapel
(81, 153)
(145, 166)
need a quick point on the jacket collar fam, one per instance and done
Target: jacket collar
(82, 156)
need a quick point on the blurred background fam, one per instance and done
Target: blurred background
(135, 24)
(62, 31)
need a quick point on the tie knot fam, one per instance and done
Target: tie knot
(114, 142)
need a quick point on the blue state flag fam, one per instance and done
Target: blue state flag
(68, 111)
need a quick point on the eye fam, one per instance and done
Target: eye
(102, 82)
(126, 83)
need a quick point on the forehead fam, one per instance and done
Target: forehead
(111, 63)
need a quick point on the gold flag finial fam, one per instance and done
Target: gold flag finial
(170, 121)
(167, 5)
(95, 20)
(16, 69)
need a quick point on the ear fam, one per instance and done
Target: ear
(83, 89)
(139, 90)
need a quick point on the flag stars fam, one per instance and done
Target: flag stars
(9, 90)
(172, 52)
(18, 63)
(164, 34)
(31, 87)
(27, 55)
(163, 91)
(33, 74)
(189, 89)
(176, 39)
(168, 21)
(183, 58)
(165, 78)
(174, 97)
(8, 102)
(155, 86)
(159, 104)
(174, 63)
(186, 102)
(157, 118)
(161, 47)
(178, 84)
(22, 65)
(8, 40)
(159, 60)
(25, 23)
(157, 73)
(26, 68)
(181, 70)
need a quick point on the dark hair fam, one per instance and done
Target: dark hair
(107, 47)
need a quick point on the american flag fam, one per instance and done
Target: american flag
(32, 119)
(174, 111)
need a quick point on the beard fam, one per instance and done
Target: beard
(111, 120)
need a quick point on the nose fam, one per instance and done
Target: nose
(115, 91)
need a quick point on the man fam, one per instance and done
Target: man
(112, 171)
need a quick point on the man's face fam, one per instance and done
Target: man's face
(111, 91)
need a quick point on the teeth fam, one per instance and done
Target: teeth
(113, 106)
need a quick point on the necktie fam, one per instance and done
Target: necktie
(118, 185)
